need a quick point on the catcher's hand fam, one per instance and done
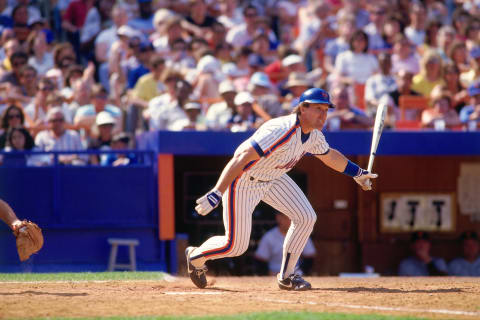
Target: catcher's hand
(208, 202)
(29, 239)
(363, 179)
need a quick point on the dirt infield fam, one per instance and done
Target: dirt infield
(436, 298)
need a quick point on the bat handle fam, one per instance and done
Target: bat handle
(370, 162)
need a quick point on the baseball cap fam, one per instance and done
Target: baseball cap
(243, 97)
(475, 52)
(297, 79)
(291, 60)
(419, 235)
(192, 106)
(104, 117)
(474, 89)
(208, 64)
(230, 69)
(226, 86)
(127, 31)
(260, 79)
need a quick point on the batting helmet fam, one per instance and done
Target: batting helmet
(316, 95)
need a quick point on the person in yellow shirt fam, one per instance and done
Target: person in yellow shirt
(430, 74)
(150, 85)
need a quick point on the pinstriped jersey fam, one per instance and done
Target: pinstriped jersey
(279, 144)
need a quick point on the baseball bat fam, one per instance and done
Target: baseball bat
(377, 132)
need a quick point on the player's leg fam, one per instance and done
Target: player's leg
(238, 203)
(285, 196)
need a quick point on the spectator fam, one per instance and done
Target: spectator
(121, 141)
(460, 20)
(206, 77)
(10, 47)
(356, 65)
(28, 85)
(468, 77)
(85, 116)
(230, 14)
(40, 58)
(160, 18)
(354, 7)
(390, 30)
(239, 35)
(430, 74)
(244, 118)
(344, 115)
(219, 113)
(335, 46)
(451, 76)
(58, 138)
(270, 250)
(19, 140)
(415, 31)
(421, 263)
(379, 84)
(172, 30)
(441, 116)
(139, 62)
(445, 37)
(470, 114)
(18, 60)
(458, 55)
(297, 84)
(13, 117)
(149, 85)
(268, 105)
(469, 264)
(74, 20)
(194, 120)
(431, 32)
(404, 56)
(472, 33)
(144, 22)
(102, 138)
(374, 28)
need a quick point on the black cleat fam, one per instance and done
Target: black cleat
(295, 283)
(197, 275)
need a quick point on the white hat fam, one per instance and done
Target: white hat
(162, 15)
(291, 59)
(226, 86)
(192, 106)
(260, 79)
(208, 64)
(230, 69)
(128, 32)
(104, 117)
(243, 97)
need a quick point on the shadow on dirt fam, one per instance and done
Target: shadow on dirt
(41, 293)
(388, 290)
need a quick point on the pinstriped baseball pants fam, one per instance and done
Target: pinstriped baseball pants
(240, 200)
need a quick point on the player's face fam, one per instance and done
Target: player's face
(314, 116)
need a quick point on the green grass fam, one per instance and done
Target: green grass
(269, 316)
(85, 276)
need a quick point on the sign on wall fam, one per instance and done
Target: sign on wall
(407, 212)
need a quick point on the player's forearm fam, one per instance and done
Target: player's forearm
(335, 160)
(7, 215)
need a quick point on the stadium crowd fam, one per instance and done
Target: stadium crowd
(78, 74)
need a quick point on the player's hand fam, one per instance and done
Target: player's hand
(363, 179)
(208, 202)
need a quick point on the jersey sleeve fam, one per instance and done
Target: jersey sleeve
(319, 145)
(266, 137)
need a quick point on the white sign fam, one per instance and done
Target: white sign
(407, 212)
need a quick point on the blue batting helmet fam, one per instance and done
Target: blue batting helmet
(316, 95)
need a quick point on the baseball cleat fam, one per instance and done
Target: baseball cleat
(295, 283)
(197, 275)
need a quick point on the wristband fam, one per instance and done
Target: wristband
(352, 169)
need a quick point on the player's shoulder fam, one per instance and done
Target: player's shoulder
(281, 123)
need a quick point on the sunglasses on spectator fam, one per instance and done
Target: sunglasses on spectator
(57, 120)
(17, 115)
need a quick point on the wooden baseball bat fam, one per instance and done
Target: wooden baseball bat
(377, 132)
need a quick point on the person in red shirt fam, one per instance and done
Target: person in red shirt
(74, 19)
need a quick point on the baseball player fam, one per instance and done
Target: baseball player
(257, 172)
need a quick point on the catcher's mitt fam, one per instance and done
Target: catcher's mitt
(29, 239)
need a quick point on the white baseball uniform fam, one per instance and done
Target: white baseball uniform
(281, 144)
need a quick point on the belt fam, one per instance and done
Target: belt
(255, 179)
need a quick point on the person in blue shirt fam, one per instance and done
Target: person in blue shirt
(470, 114)
(469, 264)
(421, 263)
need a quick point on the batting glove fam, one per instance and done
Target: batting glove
(208, 202)
(363, 179)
